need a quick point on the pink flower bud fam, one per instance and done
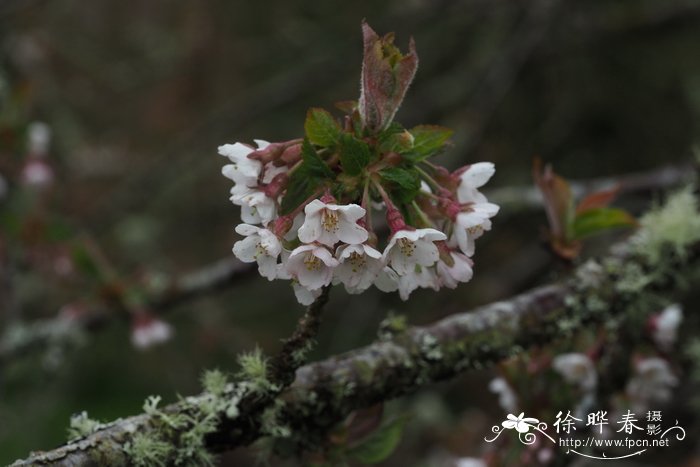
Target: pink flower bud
(276, 186)
(395, 220)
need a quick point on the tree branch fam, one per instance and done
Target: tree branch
(219, 275)
(324, 392)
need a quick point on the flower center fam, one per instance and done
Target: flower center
(260, 250)
(329, 220)
(477, 229)
(357, 261)
(312, 263)
(406, 246)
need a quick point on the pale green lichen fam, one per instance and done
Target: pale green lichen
(150, 405)
(270, 424)
(148, 451)
(676, 224)
(81, 425)
(215, 382)
(254, 369)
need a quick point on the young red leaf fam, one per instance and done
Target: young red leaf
(599, 199)
(386, 76)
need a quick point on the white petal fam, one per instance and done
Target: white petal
(352, 212)
(314, 206)
(267, 266)
(311, 229)
(305, 296)
(247, 229)
(234, 151)
(478, 174)
(351, 232)
(262, 144)
(387, 280)
(426, 253)
(246, 249)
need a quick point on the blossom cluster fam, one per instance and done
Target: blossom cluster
(323, 241)
(308, 205)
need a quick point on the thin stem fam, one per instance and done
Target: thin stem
(430, 180)
(367, 204)
(422, 215)
(384, 195)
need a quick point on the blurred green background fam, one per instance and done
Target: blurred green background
(140, 94)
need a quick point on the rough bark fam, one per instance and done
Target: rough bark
(402, 362)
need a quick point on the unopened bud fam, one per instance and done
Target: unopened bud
(276, 186)
(395, 219)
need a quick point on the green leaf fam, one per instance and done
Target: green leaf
(428, 140)
(313, 163)
(300, 187)
(596, 220)
(321, 128)
(405, 182)
(354, 155)
(395, 139)
(379, 444)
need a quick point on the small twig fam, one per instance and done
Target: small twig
(296, 348)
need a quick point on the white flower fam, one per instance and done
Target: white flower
(460, 271)
(408, 248)
(387, 280)
(305, 296)
(576, 368)
(471, 225)
(474, 177)
(261, 246)
(652, 381)
(359, 266)
(312, 266)
(420, 277)
(665, 326)
(256, 206)
(242, 170)
(148, 331)
(330, 223)
(507, 398)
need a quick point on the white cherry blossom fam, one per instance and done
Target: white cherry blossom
(261, 246)
(387, 280)
(330, 223)
(475, 176)
(303, 295)
(408, 248)
(421, 277)
(358, 268)
(256, 206)
(472, 224)
(311, 266)
(242, 170)
(578, 369)
(459, 271)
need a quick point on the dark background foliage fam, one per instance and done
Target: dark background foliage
(139, 95)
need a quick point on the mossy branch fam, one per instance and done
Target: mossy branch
(323, 393)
